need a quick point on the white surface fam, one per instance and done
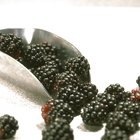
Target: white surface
(77, 2)
(108, 37)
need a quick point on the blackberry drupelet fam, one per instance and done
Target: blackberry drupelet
(132, 109)
(121, 120)
(94, 113)
(8, 126)
(58, 130)
(115, 134)
(64, 79)
(46, 75)
(11, 45)
(79, 65)
(89, 90)
(54, 109)
(70, 95)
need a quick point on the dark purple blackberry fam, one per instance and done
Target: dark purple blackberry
(71, 96)
(94, 113)
(65, 78)
(8, 126)
(109, 101)
(115, 89)
(79, 65)
(49, 48)
(54, 61)
(58, 130)
(115, 134)
(46, 75)
(89, 90)
(34, 56)
(126, 96)
(132, 109)
(138, 81)
(121, 120)
(54, 109)
(11, 45)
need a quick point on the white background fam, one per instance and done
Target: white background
(109, 37)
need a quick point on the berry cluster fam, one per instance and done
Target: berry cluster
(68, 82)
(11, 45)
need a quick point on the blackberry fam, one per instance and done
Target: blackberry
(132, 109)
(34, 56)
(115, 89)
(89, 90)
(58, 130)
(79, 65)
(115, 134)
(11, 45)
(127, 96)
(64, 79)
(136, 94)
(54, 109)
(94, 113)
(8, 126)
(138, 81)
(46, 75)
(49, 48)
(54, 61)
(121, 120)
(71, 96)
(109, 101)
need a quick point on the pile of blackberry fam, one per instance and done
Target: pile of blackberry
(68, 82)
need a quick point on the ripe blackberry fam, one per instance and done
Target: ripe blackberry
(89, 90)
(54, 61)
(34, 56)
(49, 48)
(8, 126)
(94, 113)
(132, 109)
(109, 101)
(54, 109)
(58, 130)
(79, 65)
(46, 75)
(11, 45)
(65, 78)
(121, 120)
(115, 89)
(71, 96)
(115, 134)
